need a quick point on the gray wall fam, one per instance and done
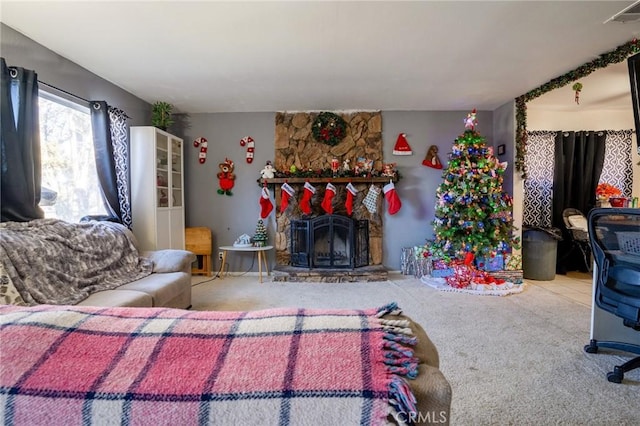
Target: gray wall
(230, 216)
(21, 51)
(504, 129)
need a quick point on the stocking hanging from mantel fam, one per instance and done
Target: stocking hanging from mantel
(287, 193)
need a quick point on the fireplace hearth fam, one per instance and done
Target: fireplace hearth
(329, 242)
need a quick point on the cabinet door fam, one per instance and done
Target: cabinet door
(176, 173)
(177, 228)
(163, 174)
(163, 229)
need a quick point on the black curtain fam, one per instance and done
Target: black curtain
(19, 145)
(105, 162)
(579, 158)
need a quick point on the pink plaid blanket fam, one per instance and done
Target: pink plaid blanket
(148, 366)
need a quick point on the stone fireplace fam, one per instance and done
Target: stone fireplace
(329, 241)
(296, 146)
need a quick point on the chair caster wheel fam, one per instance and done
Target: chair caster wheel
(591, 348)
(615, 376)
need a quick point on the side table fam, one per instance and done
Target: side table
(262, 257)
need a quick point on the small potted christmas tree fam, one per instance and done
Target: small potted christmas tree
(260, 236)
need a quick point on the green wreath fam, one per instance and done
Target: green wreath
(329, 128)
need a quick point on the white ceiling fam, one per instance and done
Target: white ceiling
(286, 56)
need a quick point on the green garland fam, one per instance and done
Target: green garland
(619, 54)
(329, 128)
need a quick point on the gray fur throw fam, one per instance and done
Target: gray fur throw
(55, 262)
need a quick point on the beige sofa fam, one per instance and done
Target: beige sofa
(168, 286)
(51, 261)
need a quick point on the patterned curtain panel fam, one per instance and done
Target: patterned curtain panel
(617, 169)
(120, 142)
(111, 147)
(538, 187)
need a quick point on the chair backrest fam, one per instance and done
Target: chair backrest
(576, 223)
(615, 244)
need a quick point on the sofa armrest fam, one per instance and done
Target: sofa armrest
(170, 260)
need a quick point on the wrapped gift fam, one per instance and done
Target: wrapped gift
(513, 262)
(490, 264)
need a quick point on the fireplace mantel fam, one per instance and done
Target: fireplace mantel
(378, 179)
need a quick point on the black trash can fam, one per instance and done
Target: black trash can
(539, 252)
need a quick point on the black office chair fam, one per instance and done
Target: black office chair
(615, 243)
(576, 224)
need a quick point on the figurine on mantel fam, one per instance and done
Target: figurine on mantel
(389, 169)
(345, 165)
(268, 172)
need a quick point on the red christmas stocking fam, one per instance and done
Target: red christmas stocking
(351, 192)
(329, 193)
(265, 203)
(391, 195)
(287, 193)
(305, 202)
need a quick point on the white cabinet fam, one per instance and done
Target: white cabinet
(157, 189)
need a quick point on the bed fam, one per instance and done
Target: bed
(162, 366)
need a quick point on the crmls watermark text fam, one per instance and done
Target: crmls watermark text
(421, 417)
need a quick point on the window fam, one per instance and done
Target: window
(70, 188)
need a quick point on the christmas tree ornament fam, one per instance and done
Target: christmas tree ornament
(266, 206)
(305, 202)
(471, 122)
(327, 202)
(431, 159)
(203, 145)
(351, 193)
(371, 199)
(391, 195)
(402, 146)
(226, 177)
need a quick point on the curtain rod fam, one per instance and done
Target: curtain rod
(64, 91)
(75, 96)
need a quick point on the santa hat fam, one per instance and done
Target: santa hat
(402, 146)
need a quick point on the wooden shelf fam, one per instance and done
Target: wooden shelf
(379, 179)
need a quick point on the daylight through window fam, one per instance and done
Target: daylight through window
(70, 188)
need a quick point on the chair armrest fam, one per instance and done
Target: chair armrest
(170, 260)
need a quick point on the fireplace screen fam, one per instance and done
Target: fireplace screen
(330, 241)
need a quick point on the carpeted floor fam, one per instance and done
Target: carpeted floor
(515, 360)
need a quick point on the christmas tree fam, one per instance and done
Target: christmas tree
(260, 236)
(472, 214)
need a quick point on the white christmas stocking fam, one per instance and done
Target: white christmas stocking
(371, 199)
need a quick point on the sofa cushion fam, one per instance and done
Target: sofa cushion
(118, 297)
(162, 287)
(170, 260)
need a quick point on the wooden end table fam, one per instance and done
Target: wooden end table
(262, 257)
